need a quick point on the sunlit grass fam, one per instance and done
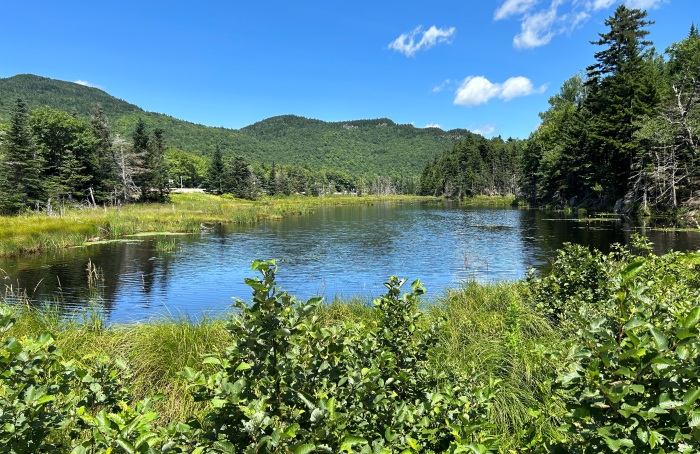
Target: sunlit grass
(184, 213)
(493, 329)
(489, 328)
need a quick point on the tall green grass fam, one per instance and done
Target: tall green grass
(494, 330)
(490, 328)
(184, 213)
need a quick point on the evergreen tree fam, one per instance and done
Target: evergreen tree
(619, 93)
(157, 168)
(140, 142)
(20, 165)
(104, 178)
(215, 173)
(239, 179)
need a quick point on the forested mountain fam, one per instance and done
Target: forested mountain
(366, 148)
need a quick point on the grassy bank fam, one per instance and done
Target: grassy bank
(185, 213)
(484, 322)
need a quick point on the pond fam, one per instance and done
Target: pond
(336, 252)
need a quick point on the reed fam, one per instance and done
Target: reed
(34, 232)
(493, 329)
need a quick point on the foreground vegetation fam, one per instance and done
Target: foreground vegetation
(601, 355)
(186, 213)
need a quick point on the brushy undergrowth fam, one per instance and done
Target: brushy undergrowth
(600, 355)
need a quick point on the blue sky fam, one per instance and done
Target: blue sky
(485, 65)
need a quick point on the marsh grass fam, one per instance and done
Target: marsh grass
(490, 328)
(494, 330)
(165, 244)
(490, 201)
(185, 213)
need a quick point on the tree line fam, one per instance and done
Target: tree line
(475, 166)
(49, 158)
(625, 133)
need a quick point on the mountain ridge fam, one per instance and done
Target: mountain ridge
(365, 147)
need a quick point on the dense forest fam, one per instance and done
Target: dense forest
(366, 148)
(475, 166)
(50, 158)
(624, 135)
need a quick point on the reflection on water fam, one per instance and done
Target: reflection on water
(337, 251)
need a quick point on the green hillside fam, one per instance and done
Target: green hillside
(359, 147)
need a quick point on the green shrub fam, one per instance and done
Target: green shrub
(630, 377)
(289, 384)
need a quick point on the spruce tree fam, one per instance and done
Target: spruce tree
(20, 165)
(140, 142)
(157, 176)
(215, 172)
(104, 181)
(619, 94)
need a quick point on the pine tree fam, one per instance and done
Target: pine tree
(215, 173)
(619, 93)
(139, 150)
(20, 165)
(156, 180)
(104, 181)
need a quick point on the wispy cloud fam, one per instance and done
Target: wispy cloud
(477, 90)
(513, 7)
(87, 84)
(541, 21)
(484, 130)
(442, 86)
(536, 29)
(418, 39)
(433, 125)
(645, 4)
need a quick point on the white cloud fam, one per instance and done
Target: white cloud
(536, 29)
(87, 84)
(442, 86)
(644, 4)
(542, 20)
(601, 4)
(484, 130)
(433, 125)
(513, 7)
(477, 90)
(407, 45)
(519, 86)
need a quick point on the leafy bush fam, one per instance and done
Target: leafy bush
(630, 377)
(48, 404)
(288, 384)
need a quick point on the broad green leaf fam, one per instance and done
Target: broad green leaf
(692, 319)
(635, 322)
(691, 396)
(126, 445)
(349, 441)
(12, 346)
(695, 420)
(632, 270)
(303, 449)
(211, 360)
(660, 338)
(243, 366)
(655, 438)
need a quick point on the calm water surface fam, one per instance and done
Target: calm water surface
(334, 252)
